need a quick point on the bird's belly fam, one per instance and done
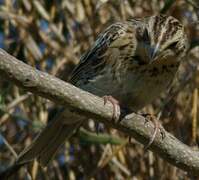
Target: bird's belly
(103, 85)
(141, 89)
(133, 90)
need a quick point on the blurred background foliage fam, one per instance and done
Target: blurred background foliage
(51, 36)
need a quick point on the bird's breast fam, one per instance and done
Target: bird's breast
(133, 88)
(145, 84)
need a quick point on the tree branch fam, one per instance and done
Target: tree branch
(86, 104)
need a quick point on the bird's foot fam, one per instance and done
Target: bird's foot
(157, 126)
(116, 107)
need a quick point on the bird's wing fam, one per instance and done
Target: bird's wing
(115, 38)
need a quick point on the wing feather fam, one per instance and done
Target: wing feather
(95, 59)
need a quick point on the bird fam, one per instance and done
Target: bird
(130, 64)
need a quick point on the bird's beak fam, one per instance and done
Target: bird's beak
(153, 51)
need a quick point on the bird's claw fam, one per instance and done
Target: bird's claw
(157, 126)
(116, 107)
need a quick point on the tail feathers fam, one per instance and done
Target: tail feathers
(49, 151)
(47, 142)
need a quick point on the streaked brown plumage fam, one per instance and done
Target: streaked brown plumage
(124, 63)
(133, 61)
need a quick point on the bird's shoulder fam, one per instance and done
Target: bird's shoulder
(117, 38)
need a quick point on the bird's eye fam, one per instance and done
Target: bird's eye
(173, 45)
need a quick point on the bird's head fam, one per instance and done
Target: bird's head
(160, 38)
